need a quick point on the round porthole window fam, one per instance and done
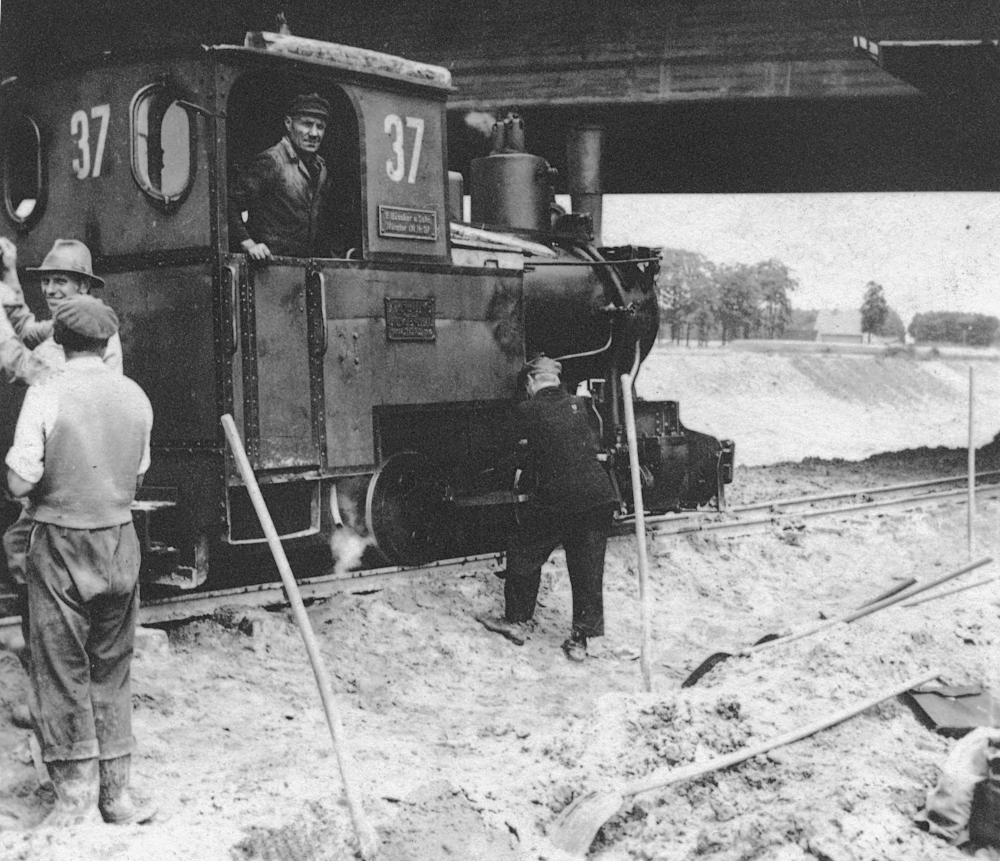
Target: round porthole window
(22, 166)
(162, 144)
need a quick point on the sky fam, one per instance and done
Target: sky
(930, 251)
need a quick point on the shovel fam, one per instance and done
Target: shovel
(577, 826)
(717, 658)
(363, 830)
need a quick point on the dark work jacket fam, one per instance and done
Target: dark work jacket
(557, 448)
(287, 205)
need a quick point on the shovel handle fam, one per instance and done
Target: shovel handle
(888, 602)
(362, 827)
(667, 777)
(892, 590)
(645, 608)
(903, 595)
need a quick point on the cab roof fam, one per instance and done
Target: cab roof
(344, 57)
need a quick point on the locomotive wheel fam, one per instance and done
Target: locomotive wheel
(405, 510)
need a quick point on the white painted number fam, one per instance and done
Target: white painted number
(396, 167)
(416, 123)
(79, 127)
(393, 125)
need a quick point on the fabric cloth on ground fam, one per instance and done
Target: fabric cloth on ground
(949, 808)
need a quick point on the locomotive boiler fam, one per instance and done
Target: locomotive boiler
(374, 390)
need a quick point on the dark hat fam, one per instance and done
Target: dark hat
(70, 256)
(310, 104)
(543, 366)
(87, 316)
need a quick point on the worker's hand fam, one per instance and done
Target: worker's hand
(9, 297)
(258, 251)
(8, 256)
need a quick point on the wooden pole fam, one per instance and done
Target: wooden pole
(972, 463)
(362, 827)
(640, 526)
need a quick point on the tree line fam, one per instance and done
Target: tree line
(734, 300)
(706, 299)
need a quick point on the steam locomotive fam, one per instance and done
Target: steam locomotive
(374, 391)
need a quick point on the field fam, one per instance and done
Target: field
(468, 746)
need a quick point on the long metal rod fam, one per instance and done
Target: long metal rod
(975, 585)
(645, 598)
(972, 463)
(860, 613)
(362, 827)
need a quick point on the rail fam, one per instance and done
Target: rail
(728, 524)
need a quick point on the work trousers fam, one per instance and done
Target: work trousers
(584, 537)
(83, 598)
(15, 545)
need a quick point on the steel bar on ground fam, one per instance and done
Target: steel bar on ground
(948, 592)
(362, 827)
(852, 616)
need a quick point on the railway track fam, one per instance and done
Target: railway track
(738, 521)
(762, 516)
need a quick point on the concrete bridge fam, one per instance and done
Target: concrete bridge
(677, 95)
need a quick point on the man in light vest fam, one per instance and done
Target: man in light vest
(81, 448)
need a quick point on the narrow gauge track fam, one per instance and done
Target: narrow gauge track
(733, 522)
(739, 520)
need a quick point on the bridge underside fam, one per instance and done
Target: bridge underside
(886, 143)
(707, 96)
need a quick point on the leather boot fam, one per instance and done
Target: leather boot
(118, 805)
(76, 786)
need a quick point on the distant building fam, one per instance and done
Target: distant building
(839, 326)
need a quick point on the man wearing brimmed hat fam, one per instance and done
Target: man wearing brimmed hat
(284, 191)
(81, 448)
(27, 350)
(571, 503)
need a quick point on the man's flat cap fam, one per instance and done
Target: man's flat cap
(543, 366)
(88, 316)
(309, 104)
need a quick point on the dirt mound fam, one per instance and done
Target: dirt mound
(787, 406)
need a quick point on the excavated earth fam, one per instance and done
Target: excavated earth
(468, 747)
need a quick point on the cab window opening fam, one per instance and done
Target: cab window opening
(279, 195)
(23, 170)
(162, 144)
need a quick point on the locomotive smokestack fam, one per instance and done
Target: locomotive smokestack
(583, 157)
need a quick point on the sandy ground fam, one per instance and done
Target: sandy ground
(468, 747)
